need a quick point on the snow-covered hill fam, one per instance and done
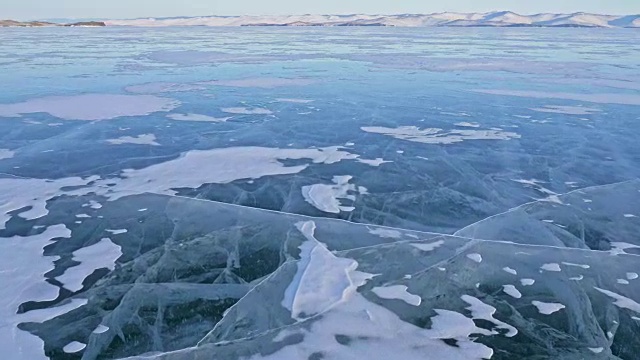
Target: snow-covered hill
(494, 19)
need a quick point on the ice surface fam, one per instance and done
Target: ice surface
(224, 262)
(91, 106)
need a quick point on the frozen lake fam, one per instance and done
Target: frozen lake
(320, 193)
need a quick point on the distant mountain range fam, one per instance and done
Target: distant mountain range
(13, 23)
(491, 19)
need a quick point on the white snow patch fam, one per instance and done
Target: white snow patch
(621, 301)
(326, 198)
(605, 98)
(294, 101)
(142, 139)
(527, 282)
(162, 87)
(102, 254)
(482, 311)
(547, 308)
(398, 292)
(475, 257)
(568, 110)
(22, 279)
(623, 282)
(510, 270)
(511, 291)
(468, 124)
(386, 233)
(629, 215)
(618, 248)
(116, 231)
(597, 350)
(632, 276)
(551, 267)
(100, 329)
(94, 204)
(74, 347)
(438, 136)
(247, 111)
(576, 265)
(427, 247)
(264, 83)
(6, 154)
(322, 280)
(91, 106)
(374, 162)
(197, 118)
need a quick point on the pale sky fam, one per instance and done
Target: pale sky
(47, 9)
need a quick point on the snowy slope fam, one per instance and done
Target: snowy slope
(493, 19)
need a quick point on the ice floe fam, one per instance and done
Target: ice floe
(475, 257)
